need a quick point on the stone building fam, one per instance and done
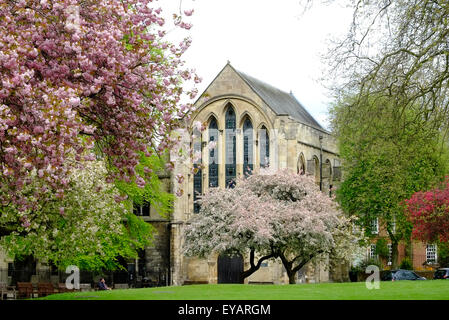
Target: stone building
(253, 125)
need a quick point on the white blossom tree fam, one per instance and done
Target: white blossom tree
(87, 227)
(276, 215)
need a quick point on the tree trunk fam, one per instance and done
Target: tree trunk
(394, 254)
(292, 278)
(254, 266)
(288, 265)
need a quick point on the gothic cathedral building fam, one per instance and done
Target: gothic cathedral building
(253, 125)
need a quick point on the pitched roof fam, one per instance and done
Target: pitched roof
(279, 101)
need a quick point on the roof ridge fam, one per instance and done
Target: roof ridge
(298, 112)
(261, 81)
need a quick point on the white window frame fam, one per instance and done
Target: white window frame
(375, 226)
(372, 251)
(431, 250)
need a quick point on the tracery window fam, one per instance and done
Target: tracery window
(248, 162)
(213, 154)
(230, 166)
(198, 172)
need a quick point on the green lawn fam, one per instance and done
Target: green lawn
(399, 290)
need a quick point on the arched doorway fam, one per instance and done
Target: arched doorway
(229, 268)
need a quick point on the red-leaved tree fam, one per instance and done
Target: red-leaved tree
(428, 211)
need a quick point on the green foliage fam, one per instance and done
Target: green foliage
(356, 269)
(382, 248)
(406, 264)
(153, 192)
(91, 231)
(443, 255)
(386, 157)
(371, 262)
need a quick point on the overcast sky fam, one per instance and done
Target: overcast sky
(269, 40)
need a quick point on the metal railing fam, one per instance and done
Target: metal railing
(153, 278)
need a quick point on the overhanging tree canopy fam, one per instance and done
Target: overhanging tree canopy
(75, 73)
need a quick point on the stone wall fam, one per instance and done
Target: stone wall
(157, 255)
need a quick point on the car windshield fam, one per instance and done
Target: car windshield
(386, 275)
(440, 274)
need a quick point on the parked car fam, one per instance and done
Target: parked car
(400, 274)
(442, 273)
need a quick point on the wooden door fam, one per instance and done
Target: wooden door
(230, 268)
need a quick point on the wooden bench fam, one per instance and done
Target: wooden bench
(190, 282)
(62, 288)
(45, 288)
(25, 289)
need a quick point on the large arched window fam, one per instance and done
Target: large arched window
(198, 172)
(230, 147)
(213, 154)
(264, 147)
(248, 147)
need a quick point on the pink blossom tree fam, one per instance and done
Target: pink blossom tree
(278, 215)
(79, 74)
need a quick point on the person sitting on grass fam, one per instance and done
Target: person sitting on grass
(102, 285)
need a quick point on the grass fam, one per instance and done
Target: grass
(399, 290)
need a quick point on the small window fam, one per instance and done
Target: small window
(10, 269)
(372, 251)
(264, 147)
(431, 253)
(142, 210)
(336, 170)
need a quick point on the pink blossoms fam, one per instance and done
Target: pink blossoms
(79, 73)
